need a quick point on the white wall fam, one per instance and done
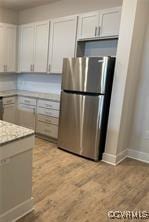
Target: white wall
(8, 16)
(130, 48)
(40, 83)
(139, 140)
(64, 8)
(8, 81)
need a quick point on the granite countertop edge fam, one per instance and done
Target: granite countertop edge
(10, 132)
(16, 139)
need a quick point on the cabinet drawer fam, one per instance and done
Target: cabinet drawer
(48, 112)
(48, 104)
(27, 101)
(27, 108)
(47, 129)
(9, 100)
(47, 119)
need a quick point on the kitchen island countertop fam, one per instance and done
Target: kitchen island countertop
(10, 132)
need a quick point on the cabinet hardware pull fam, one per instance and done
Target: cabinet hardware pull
(31, 68)
(4, 68)
(96, 31)
(99, 31)
(49, 68)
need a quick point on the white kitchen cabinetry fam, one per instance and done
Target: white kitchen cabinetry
(41, 46)
(26, 48)
(101, 24)
(88, 25)
(11, 35)
(33, 47)
(47, 118)
(9, 109)
(26, 112)
(110, 22)
(8, 47)
(62, 42)
(2, 48)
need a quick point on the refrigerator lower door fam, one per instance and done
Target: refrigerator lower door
(80, 124)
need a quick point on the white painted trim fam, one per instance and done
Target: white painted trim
(17, 212)
(109, 158)
(121, 156)
(115, 159)
(137, 155)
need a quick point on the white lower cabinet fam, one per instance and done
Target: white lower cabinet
(47, 129)
(26, 112)
(40, 115)
(9, 109)
(48, 112)
(47, 118)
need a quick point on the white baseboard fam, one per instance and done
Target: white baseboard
(109, 158)
(137, 155)
(115, 159)
(17, 212)
(133, 154)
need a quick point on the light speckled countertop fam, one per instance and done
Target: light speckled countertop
(38, 95)
(10, 132)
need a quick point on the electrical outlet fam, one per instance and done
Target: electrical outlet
(146, 135)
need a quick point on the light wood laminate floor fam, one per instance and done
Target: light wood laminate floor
(67, 188)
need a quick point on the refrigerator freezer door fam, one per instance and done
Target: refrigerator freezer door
(80, 122)
(85, 74)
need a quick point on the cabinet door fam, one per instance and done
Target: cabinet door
(88, 25)
(26, 48)
(110, 22)
(2, 48)
(9, 114)
(26, 116)
(41, 46)
(11, 48)
(62, 42)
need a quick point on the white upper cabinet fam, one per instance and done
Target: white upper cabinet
(33, 47)
(2, 48)
(7, 48)
(62, 42)
(110, 22)
(11, 33)
(26, 48)
(41, 46)
(104, 23)
(88, 25)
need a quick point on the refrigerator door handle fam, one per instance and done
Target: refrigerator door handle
(100, 110)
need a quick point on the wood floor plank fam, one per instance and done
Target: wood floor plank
(68, 188)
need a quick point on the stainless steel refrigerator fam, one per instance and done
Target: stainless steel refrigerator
(85, 101)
